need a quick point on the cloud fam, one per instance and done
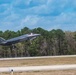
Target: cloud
(29, 21)
(48, 14)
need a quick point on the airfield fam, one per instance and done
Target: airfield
(40, 61)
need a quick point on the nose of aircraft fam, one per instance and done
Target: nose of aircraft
(34, 34)
(37, 34)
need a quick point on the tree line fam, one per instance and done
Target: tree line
(54, 42)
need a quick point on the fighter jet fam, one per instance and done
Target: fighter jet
(13, 41)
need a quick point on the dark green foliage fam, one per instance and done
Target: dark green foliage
(1, 34)
(75, 35)
(54, 42)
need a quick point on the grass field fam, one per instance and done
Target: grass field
(63, 72)
(40, 62)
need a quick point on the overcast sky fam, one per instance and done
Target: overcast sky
(47, 14)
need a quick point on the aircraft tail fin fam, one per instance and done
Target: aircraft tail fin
(2, 39)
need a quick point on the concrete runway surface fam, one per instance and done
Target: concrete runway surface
(38, 57)
(38, 68)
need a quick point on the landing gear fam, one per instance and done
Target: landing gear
(13, 50)
(30, 41)
(13, 47)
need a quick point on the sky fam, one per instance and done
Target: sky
(47, 14)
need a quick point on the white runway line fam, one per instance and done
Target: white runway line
(38, 57)
(38, 68)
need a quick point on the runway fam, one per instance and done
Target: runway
(38, 68)
(38, 57)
